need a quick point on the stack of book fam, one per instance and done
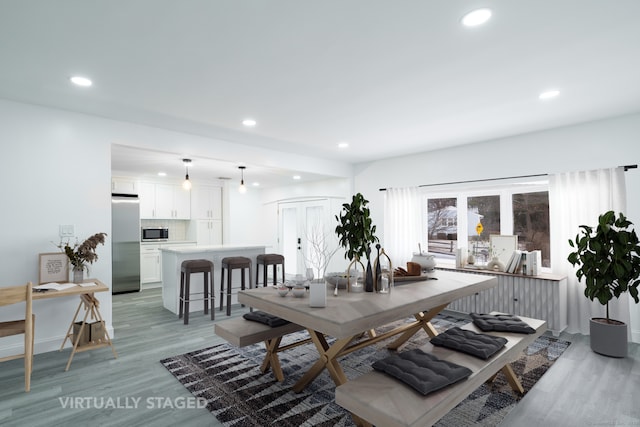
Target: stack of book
(523, 262)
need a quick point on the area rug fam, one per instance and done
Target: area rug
(239, 395)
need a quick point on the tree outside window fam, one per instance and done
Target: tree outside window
(531, 223)
(442, 226)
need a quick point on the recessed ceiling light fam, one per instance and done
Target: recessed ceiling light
(249, 123)
(81, 81)
(256, 184)
(162, 174)
(549, 94)
(476, 17)
(343, 145)
(296, 177)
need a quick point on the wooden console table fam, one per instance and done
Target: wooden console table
(91, 306)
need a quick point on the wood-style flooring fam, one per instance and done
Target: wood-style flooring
(582, 388)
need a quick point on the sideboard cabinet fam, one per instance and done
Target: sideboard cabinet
(541, 297)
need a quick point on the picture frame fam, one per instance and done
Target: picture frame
(503, 246)
(54, 267)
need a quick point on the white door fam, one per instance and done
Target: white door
(305, 235)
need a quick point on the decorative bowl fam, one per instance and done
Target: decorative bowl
(337, 278)
(299, 292)
(427, 262)
(283, 291)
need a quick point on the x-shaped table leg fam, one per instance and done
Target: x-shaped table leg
(328, 359)
(423, 321)
(271, 358)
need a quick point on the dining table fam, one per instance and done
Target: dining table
(349, 320)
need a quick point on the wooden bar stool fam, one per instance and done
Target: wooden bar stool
(187, 268)
(230, 264)
(266, 260)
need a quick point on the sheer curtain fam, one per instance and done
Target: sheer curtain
(402, 224)
(577, 198)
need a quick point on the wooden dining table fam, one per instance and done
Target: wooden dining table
(352, 318)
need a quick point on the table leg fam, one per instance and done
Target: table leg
(271, 358)
(512, 379)
(91, 305)
(77, 339)
(423, 321)
(328, 359)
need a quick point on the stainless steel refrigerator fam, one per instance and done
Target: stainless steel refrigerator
(125, 243)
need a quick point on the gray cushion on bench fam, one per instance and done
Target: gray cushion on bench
(470, 342)
(266, 318)
(501, 323)
(422, 371)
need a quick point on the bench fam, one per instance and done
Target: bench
(242, 332)
(378, 399)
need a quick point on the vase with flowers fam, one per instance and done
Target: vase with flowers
(81, 254)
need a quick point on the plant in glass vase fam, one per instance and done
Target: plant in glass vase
(81, 254)
(356, 233)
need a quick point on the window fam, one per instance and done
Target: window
(517, 207)
(483, 210)
(442, 226)
(531, 222)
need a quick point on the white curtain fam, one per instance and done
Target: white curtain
(402, 224)
(577, 198)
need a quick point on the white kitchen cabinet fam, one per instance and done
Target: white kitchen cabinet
(164, 201)
(206, 202)
(208, 232)
(150, 264)
(124, 185)
(147, 196)
(151, 260)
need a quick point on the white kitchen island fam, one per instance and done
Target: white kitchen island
(172, 258)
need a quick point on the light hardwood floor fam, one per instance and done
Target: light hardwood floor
(582, 388)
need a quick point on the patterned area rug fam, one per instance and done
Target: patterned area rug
(238, 394)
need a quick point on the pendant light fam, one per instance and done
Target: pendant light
(187, 183)
(243, 188)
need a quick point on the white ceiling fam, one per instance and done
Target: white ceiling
(389, 77)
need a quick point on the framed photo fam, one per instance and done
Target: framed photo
(54, 267)
(503, 246)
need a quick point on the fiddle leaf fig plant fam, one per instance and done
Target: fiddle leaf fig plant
(355, 229)
(608, 258)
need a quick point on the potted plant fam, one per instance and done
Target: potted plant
(81, 254)
(609, 260)
(356, 233)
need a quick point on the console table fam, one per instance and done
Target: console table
(91, 306)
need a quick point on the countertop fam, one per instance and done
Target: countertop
(211, 248)
(168, 242)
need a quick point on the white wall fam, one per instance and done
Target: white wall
(55, 169)
(601, 144)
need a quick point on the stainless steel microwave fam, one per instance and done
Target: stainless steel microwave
(150, 234)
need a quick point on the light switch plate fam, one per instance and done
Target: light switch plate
(67, 231)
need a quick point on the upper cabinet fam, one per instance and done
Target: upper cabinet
(206, 202)
(164, 201)
(124, 185)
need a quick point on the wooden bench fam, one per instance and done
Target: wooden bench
(242, 332)
(378, 399)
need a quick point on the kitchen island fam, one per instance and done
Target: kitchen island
(172, 258)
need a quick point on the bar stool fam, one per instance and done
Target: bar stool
(267, 260)
(187, 268)
(230, 264)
